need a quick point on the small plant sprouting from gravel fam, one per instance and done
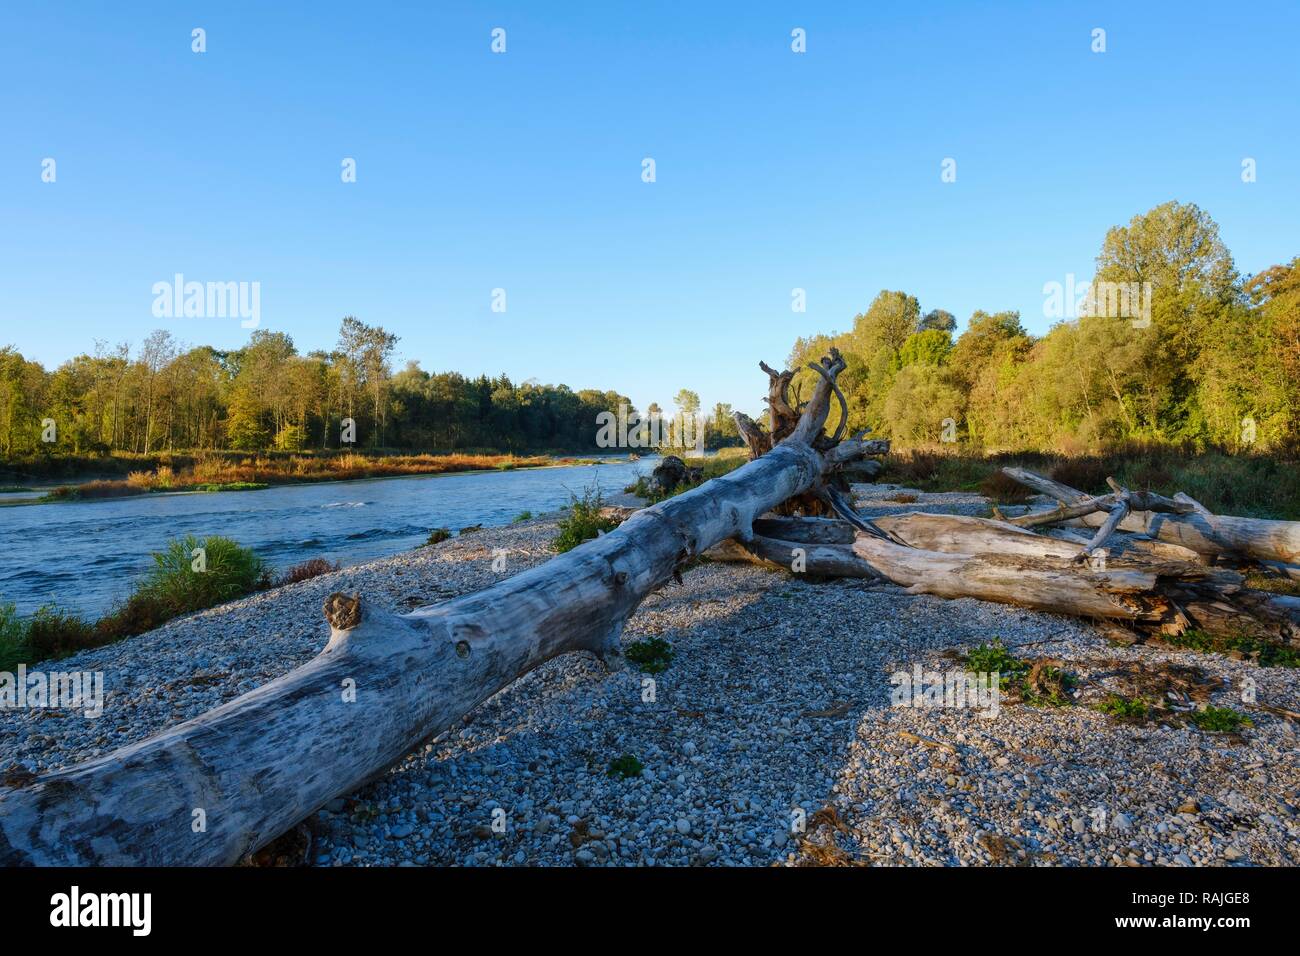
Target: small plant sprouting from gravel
(583, 522)
(437, 536)
(1040, 683)
(1220, 720)
(523, 516)
(995, 658)
(1124, 708)
(625, 766)
(651, 656)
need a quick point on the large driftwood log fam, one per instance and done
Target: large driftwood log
(253, 768)
(1168, 597)
(1149, 584)
(1181, 521)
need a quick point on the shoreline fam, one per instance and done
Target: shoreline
(733, 747)
(39, 496)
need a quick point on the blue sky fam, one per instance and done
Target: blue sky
(522, 171)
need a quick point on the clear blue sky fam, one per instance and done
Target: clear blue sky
(523, 170)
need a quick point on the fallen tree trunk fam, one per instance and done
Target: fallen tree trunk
(1153, 588)
(1185, 522)
(1169, 598)
(215, 788)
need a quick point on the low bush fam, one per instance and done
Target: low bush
(437, 536)
(1220, 720)
(1005, 491)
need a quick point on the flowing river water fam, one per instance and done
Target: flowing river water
(84, 556)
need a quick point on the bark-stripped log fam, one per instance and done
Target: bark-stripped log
(1206, 533)
(259, 764)
(1168, 597)
(1149, 584)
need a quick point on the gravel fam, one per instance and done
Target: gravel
(769, 739)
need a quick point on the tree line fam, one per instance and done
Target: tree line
(164, 396)
(1198, 356)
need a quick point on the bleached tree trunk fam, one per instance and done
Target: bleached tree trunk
(1197, 528)
(215, 788)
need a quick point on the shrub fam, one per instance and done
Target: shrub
(306, 570)
(583, 522)
(1086, 474)
(1124, 708)
(437, 536)
(176, 587)
(1265, 653)
(995, 658)
(142, 611)
(228, 572)
(523, 516)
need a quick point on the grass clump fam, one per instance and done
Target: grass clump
(1124, 708)
(651, 656)
(522, 516)
(1265, 653)
(47, 633)
(191, 574)
(625, 766)
(13, 637)
(196, 573)
(437, 536)
(306, 570)
(1220, 720)
(1004, 490)
(583, 522)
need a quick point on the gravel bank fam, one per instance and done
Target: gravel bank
(771, 738)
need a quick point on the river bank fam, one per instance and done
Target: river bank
(775, 709)
(217, 474)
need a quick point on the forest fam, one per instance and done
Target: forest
(266, 396)
(1214, 363)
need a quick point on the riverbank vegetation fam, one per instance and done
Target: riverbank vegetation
(1177, 348)
(1259, 486)
(230, 472)
(190, 574)
(268, 397)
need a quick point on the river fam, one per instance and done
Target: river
(84, 556)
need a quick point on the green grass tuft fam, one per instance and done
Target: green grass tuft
(651, 656)
(1220, 720)
(625, 766)
(1124, 708)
